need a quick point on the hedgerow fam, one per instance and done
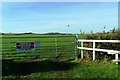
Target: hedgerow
(110, 35)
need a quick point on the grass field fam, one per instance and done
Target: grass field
(31, 64)
(50, 45)
(56, 69)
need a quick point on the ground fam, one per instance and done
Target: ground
(50, 68)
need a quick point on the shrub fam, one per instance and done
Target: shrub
(110, 35)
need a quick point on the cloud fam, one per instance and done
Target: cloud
(28, 16)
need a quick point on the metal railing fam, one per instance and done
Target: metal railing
(50, 46)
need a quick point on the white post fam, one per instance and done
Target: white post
(81, 50)
(116, 58)
(93, 50)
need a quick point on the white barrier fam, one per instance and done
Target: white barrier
(96, 49)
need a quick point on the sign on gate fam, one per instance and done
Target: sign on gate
(25, 46)
(37, 44)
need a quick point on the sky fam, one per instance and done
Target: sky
(44, 17)
(60, 0)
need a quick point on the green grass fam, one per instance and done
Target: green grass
(28, 64)
(65, 45)
(56, 69)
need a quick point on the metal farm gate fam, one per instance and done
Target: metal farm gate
(43, 46)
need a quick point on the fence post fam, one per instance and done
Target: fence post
(116, 58)
(10, 42)
(76, 40)
(56, 45)
(93, 50)
(81, 50)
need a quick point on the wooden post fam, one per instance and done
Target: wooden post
(81, 50)
(93, 50)
(76, 40)
(116, 58)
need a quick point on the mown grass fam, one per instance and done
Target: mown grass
(50, 45)
(25, 65)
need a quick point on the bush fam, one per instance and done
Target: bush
(110, 35)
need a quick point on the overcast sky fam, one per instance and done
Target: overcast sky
(43, 17)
